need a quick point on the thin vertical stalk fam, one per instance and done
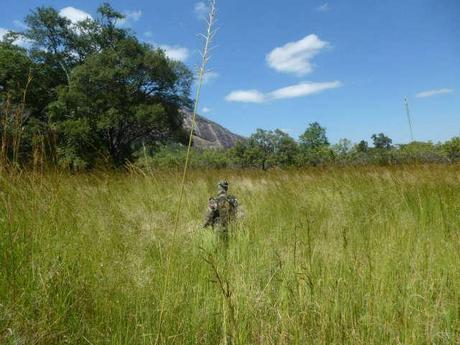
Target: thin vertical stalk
(18, 121)
(208, 38)
(406, 103)
(5, 128)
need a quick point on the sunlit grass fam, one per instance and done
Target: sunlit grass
(349, 256)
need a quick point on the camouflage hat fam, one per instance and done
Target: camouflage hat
(222, 185)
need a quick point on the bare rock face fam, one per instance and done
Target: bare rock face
(209, 134)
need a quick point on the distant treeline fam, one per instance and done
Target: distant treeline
(276, 149)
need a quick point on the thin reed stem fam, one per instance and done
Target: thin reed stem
(202, 70)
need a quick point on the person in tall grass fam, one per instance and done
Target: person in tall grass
(221, 210)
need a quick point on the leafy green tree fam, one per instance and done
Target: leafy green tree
(237, 153)
(15, 66)
(314, 146)
(118, 99)
(24, 80)
(260, 148)
(343, 147)
(314, 137)
(60, 43)
(381, 141)
(362, 146)
(452, 148)
(95, 91)
(266, 148)
(285, 148)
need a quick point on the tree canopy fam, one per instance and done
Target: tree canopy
(97, 91)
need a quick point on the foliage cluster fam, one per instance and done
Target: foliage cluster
(276, 149)
(96, 93)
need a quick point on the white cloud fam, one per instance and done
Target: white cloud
(148, 34)
(294, 57)
(324, 7)
(3, 32)
(19, 24)
(21, 42)
(134, 15)
(206, 110)
(431, 93)
(130, 17)
(74, 14)
(176, 52)
(201, 10)
(210, 76)
(302, 89)
(246, 96)
(299, 90)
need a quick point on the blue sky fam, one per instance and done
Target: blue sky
(284, 64)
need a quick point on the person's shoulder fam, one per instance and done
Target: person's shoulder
(232, 199)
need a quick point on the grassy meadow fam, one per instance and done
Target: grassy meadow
(333, 256)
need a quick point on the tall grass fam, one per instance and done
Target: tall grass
(349, 256)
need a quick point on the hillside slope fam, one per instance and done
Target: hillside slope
(209, 134)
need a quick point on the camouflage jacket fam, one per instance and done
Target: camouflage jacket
(221, 210)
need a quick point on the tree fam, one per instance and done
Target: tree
(95, 91)
(452, 148)
(59, 42)
(25, 92)
(343, 147)
(362, 146)
(266, 148)
(118, 99)
(314, 146)
(314, 137)
(285, 148)
(261, 148)
(381, 141)
(15, 66)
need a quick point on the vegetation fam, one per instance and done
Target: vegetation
(96, 93)
(338, 243)
(89, 94)
(349, 255)
(276, 149)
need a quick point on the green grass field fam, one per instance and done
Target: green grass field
(336, 256)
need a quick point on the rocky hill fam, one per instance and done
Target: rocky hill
(209, 134)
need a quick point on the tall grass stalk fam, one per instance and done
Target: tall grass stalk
(208, 38)
(12, 125)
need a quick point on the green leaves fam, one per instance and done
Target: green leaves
(128, 94)
(314, 137)
(96, 90)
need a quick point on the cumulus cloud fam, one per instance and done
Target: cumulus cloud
(21, 41)
(431, 93)
(293, 91)
(176, 52)
(19, 24)
(295, 57)
(324, 7)
(130, 17)
(206, 110)
(246, 96)
(201, 10)
(210, 76)
(133, 15)
(74, 14)
(303, 89)
(3, 32)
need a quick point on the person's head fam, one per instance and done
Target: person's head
(222, 186)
